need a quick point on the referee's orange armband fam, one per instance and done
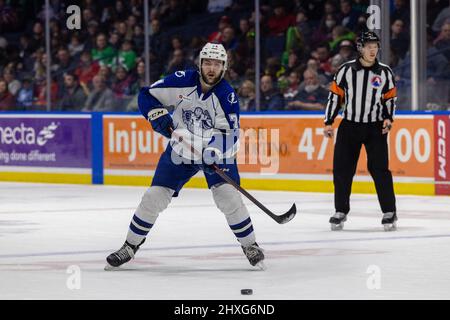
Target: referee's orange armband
(337, 90)
(390, 94)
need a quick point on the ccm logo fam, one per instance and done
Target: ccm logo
(441, 149)
(156, 113)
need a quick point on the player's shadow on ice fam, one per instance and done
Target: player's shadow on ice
(379, 230)
(179, 270)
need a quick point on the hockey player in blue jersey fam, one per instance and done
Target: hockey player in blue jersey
(203, 130)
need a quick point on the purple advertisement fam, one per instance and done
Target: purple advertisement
(45, 141)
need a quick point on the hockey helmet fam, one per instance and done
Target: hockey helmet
(366, 37)
(214, 51)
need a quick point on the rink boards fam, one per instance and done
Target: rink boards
(279, 151)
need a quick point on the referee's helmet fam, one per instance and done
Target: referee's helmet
(365, 37)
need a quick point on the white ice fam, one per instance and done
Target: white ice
(46, 230)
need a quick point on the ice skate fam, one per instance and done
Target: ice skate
(255, 255)
(337, 221)
(121, 256)
(389, 221)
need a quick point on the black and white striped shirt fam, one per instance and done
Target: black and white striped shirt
(367, 94)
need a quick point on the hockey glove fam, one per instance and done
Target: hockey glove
(161, 121)
(211, 156)
(221, 147)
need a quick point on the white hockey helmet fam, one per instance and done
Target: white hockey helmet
(214, 51)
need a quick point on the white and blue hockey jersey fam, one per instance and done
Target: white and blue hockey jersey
(195, 115)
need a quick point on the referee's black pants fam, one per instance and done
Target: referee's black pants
(350, 137)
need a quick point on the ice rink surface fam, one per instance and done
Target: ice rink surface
(54, 240)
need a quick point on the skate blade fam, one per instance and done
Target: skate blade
(390, 227)
(337, 227)
(109, 267)
(261, 266)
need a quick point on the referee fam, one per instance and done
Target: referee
(365, 89)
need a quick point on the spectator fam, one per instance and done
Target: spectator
(271, 99)
(75, 46)
(87, 68)
(24, 100)
(131, 23)
(435, 9)
(246, 95)
(293, 62)
(179, 62)
(123, 31)
(25, 49)
(65, 64)
(101, 98)
(316, 10)
(339, 34)
(120, 11)
(442, 18)
(293, 86)
(37, 38)
(298, 37)
(114, 41)
(126, 57)
(195, 47)
(442, 42)
(7, 101)
(401, 11)
(336, 62)
(244, 28)
(399, 39)
(280, 21)
(158, 42)
(140, 78)
(348, 16)
(274, 68)
(176, 43)
(322, 55)
(14, 85)
(122, 83)
(347, 51)
(312, 97)
(92, 31)
(313, 65)
(103, 53)
(216, 36)
(174, 15)
(40, 92)
(323, 32)
(138, 38)
(9, 20)
(229, 41)
(233, 76)
(38, 66)
(88, 15)
(156, 68)
(106, 73)
(74, 96)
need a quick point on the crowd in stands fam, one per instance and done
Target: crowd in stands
(101, 66)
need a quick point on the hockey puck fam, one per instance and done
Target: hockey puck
(246, 291)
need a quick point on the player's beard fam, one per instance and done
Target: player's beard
(210, 82)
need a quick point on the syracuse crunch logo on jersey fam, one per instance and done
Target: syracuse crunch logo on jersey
(198, 120)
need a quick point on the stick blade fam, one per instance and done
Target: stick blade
(288, 216)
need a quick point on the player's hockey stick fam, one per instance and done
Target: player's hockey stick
(281, 219)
